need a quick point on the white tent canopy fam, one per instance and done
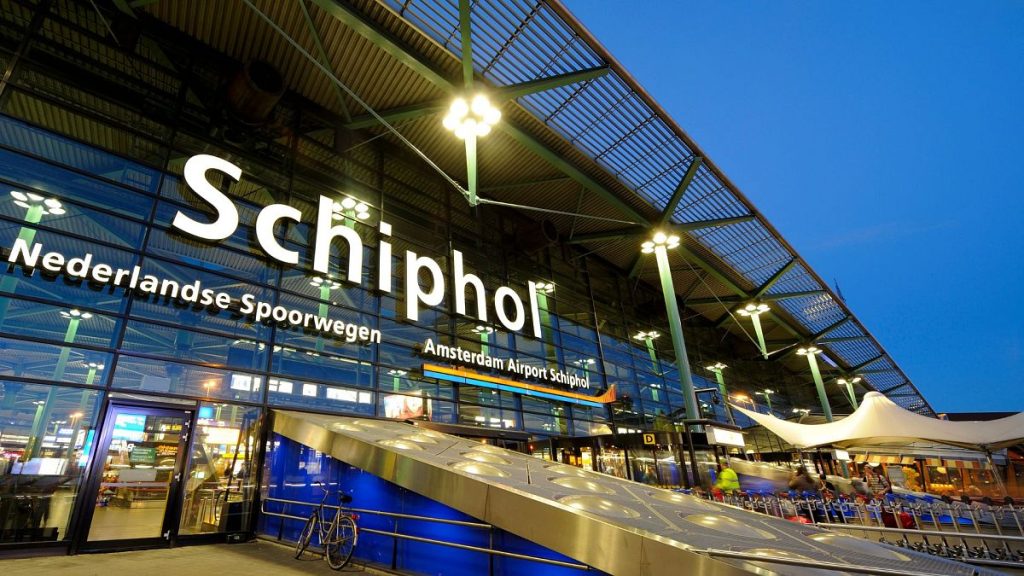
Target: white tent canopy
(879, 421)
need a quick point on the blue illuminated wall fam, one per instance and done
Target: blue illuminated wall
(292, 471)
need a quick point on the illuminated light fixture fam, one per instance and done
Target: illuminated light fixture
(480, 329)
(544, 287)
(659, 245)
(848, 383)
(325, 283)
(802, 411)
(810, 352)
(75, 314)
(767, 393)
(717, 368)
(394, 372)
(29, 200)
(647, 335)
(754, 309)
(96, 366)
(660, 239)
(471, 119)
(350, 208)
(584, 362)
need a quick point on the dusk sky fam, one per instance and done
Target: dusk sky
(884, 141)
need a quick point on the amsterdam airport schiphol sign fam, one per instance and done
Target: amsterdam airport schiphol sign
(85, 267)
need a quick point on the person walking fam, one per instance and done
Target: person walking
(728, 482)
(801, 481)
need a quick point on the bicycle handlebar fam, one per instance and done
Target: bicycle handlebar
(344, 498)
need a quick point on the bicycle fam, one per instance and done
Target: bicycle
(338, 539)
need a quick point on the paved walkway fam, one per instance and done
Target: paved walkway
(250, 559)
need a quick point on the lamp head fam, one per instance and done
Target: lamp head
(473, 118)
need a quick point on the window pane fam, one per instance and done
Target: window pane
(47, 433)
(220, 482)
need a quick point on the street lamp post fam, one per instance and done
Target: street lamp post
(396, 377)
(469, 121)
(36, 206)
(803, 412)
(74, 318)
(748, 400)
(767, 393)
(648, 339)
(485, 338)
(754, 310)
(848, 383)
(659, 245)
(325, 285)
(718, 369)
(348, 210)
(811, 352)
(543, 290)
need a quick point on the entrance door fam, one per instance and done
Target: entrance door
(134, 481)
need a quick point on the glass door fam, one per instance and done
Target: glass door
(135, 477)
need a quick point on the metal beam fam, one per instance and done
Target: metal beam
(386, 42)
(831, 327)
(858, 367)
(396, 49)
(498, 96)
(524, 184)
(775, 278)
(770, 297)
(616, 234)
(680, 191)
(701, 224)
(842, 339)
(513, 91)
(643, 231)
(556, 160)
(465, 33)
(409, 112)
(322, 55)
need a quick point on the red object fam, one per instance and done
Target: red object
(890, 520)
(799, 519)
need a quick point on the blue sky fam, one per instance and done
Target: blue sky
(884, 141)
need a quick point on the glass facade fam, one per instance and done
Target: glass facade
(92, 153)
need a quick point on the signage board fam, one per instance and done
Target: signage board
(725, 437)
(650, 440)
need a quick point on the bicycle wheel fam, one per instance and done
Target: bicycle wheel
(305, 536)
(341, 541)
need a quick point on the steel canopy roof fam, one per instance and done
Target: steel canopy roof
(609, 149)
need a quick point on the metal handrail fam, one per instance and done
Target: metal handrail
(378, 513)
(812, 563)
(968, 535)
(398, 535)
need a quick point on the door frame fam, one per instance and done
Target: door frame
(81, 520)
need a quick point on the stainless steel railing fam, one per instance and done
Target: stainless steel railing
(977, 532)
(395, 534)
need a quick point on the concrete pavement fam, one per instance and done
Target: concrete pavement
(249, 559)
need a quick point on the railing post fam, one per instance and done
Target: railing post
(394, 544)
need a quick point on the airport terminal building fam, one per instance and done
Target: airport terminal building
(220, 216)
